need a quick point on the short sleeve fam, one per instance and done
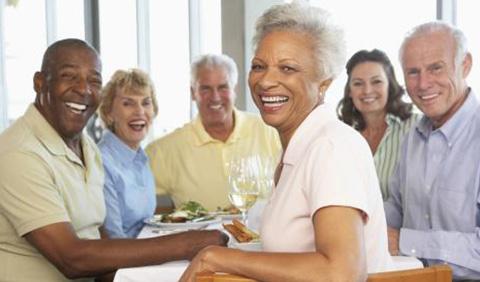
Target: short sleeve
(29, 198)
(337, 178)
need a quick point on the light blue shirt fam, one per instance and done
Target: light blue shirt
(434, 192)
(129, 187)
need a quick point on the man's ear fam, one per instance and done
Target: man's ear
(192, 94)
(38, 82)
(467, 65)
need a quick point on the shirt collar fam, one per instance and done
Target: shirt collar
(48, 136)
(121, 151)
(202, 137)
(391, 119)
(312, 124)
(455, 125)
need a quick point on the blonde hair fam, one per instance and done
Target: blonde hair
(133, 80)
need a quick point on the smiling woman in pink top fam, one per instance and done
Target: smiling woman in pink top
(324, 220)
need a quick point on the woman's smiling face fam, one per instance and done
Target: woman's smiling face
(369, 87)
(284, 79)
(132, 114)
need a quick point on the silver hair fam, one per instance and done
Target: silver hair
(438, 26)
(328, 38)
(212, 61)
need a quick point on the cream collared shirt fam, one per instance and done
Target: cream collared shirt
(43, 182)
(188, 164)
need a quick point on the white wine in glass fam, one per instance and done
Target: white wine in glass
(243, 201)
(243, 190)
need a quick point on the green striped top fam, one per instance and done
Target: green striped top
(388, 150)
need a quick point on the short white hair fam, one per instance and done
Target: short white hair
(458, 36)
(327, 37)
(212, 61)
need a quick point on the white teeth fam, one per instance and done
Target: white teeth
(138, 122)
(368, 99)
(215, 107)
(428, 97)
(273, 99)
(272, 105)
(75, 106)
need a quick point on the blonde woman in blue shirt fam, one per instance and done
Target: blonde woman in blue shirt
(373, 105)
(128, 108)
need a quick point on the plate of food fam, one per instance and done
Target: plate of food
(227, 213)
(181, 225)
(243, 238)
(190, 215)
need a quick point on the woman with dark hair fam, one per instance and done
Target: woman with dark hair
(372, 104)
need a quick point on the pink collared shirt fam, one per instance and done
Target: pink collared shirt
(326, 163)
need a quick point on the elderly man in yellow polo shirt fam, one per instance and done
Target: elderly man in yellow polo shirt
(51, 184)
(190, 163)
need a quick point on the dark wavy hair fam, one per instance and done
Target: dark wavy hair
(346, 109)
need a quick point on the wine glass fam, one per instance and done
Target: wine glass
(243, 189)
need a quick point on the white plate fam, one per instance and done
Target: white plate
(249, 246)
(180, 225)
(226, 216)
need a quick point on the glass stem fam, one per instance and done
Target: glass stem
(244, 217)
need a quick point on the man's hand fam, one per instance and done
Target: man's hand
(393, 239)
(197, 240)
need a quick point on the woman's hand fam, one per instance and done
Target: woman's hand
(200, 263)
(393, 238)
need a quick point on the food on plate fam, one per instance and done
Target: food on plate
(240, 232)
(228, 210)
(188, 211)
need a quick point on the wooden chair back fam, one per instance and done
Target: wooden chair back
(437, 273)
(220, 277)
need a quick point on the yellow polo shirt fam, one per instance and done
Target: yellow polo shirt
(43, 182)
(188, 164)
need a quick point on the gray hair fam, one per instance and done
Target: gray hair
(438, 26)
(328, 38)
(212, 61)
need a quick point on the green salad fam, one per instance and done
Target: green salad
(188, 211)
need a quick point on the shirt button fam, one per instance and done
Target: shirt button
(413, 251)
(427, 216)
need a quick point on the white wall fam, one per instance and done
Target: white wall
(3, 96)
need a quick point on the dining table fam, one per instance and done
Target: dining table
(172, 271)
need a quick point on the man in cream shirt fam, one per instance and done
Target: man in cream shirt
(190, 163)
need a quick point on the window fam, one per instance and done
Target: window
(25, 43)
(377, 24)
(70, 19)
(467, 21)
(170, 60)
(169, 49)
(118, 36)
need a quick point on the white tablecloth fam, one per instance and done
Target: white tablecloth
(172, 271)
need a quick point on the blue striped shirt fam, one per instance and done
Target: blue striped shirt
(435, 192)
